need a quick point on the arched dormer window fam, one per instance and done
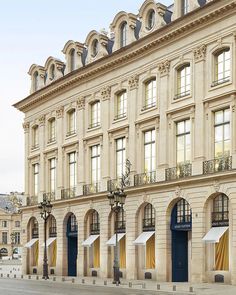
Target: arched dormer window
(150, 19)
(95, 225)
(150, 94)
(149, 218)
(222, 67)
(72, 59)
(184, 7)
(95, 48)
(36, 81)
(220, 213)
(183, 81)
(123, 34)
(52, 72)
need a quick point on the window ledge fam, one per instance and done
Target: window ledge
(51, 142)
(71, 135)
(90, 129)
(177, 99)
(220, 85)
(148, 109)
(119, 120)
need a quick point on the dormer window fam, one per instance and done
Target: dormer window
(36, 81)
(95, 48)
(72, 59)
(150, 19)
(184, 7)
(52, 72)
(123, 34)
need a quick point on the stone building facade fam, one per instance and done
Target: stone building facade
(160, 90)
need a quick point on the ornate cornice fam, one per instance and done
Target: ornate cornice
(81, 103)
(200, 53)
(174, 30)
(106, 92)
(133, 82)
(60, 112)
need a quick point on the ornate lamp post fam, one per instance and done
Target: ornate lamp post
(117, 200)
(13, 235)
(45, 211)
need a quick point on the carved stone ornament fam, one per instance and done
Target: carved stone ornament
(200, 52)
(133, 81)
(26, 126)
(81, 103)
(216, 186)
(106, 92)
(59, 112)
(164, 67)
(178, 192)
(42, 120)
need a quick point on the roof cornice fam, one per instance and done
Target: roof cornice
(176, 29)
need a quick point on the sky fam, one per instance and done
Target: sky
(30, 32)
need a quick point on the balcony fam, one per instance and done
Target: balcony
(120, 225)
(35, 233)
(145, 178)
(220, 81)
(31, 201)
(67, 193)
(52, 231)
(114, 184)
(149, 224)
(181, 171)
(89, 189)
(50, 196)
(217, 165)
(220, 218)
(94, 228)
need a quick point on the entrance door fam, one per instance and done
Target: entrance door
(72, 255)
(179, 256)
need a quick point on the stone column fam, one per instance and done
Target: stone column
(103, 239)
(61, 236)
(81, 130)
(26, 127)
(41, 245)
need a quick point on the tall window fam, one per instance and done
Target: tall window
(4, 238)
(220, 210)
(95, 114)
(150, 93)
(17, 237)
(184, 7)
(95, 163)
(51, 130)
(52, 72)
(36, 81)
(222, 133)
(95, 217)
(52, 163)
(183, 81)
(95, 48)
(121, 105)
(120, 157)
(150, 151)
(72, 59)
(150, 19)
(222, 66)
(183, 142)
(35, 137)
(71, 122)
(123, 34)
(149, 217)
(183, 211)
(36, 179)
(72, 170)
(4, 223)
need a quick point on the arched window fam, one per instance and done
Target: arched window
(149, 218)
(52, 72)
(71, 122)
(222, 66)
(35, 137)
(150, 94)
(72, 224)
(183, 81)
(35, 229)
(95, 114)
(120, 223)
(51, 130)
(72, 59)
(52, 227)
(183, 212)
(220, 214)
(184, 7)
(123, 34)
(36, 81)
(121, 110)
(95, 225)
(150, 19)
(95, 48)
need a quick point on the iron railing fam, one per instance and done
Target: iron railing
(115, 184)
(68, 193)
(145, 178)
(148, 224)
(217, 165)
(30, 201)
(220, 218)
(92, 188)
(95, 228)
(220, 81)
(35, 233)
(52, 231)
(120, 226)
(50, 196)
(181, 171)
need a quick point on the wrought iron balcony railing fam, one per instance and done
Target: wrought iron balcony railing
(144, 178)
(30, 201)
(120, 225)
(95, 228)
(149, 224)
(52, 231)
(92, 188)
(50, 196)
(220, 218)
(181, 171)
(217, 165)
(35, 233)
(114, 184)
(220, 81)
(68, 193)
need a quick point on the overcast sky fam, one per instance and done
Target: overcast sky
(30, 32)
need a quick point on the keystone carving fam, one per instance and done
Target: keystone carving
(26, 126)
(81, 103)
(164, 67)
(106, 92)
(133, 82)
(200, 52)
(59, 112)
(42, 120)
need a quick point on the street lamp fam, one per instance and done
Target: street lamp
(45, 211)
(117, 200)
(13, 236)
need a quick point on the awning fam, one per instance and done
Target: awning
(90, 240)
(112, 241)
(142, 239)
(214, 234)
(49, 241)
(31, 243)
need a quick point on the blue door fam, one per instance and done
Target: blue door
(72, 245)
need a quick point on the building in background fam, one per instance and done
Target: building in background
(160, 90)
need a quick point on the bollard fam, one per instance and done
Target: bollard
(143, 285)
(72, 280)
(37, 277)
(14, 276)
(94, 282)
(117, 284)
(105, 283)
(54, 279)
(63, 279)
(8, 275)
(158, 287)
(191, 289)
(130, 285)
(22, 276)
(29, 277)
(83, 281)
(1, 275)
(174, 288)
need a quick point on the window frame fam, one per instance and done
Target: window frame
(123, 34)
(120, 151)
(183, 134)
(36, 179)
(152, 155)
(153, 97)
(71, 122)
(121, 105)
(52, 130)
(216, 79)
(95, 110)
(186, 69)
(72, 170)
(95, 151)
